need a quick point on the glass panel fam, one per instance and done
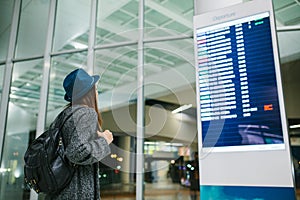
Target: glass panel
(287, 12)
(20, 127)
(117, 101)
(168, 18)
(60, 67)
(72, 25)
(290, 72)
(171, 136)
(117, 22)
(32, 28)
(6, 11)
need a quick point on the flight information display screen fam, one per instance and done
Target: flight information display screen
(239, 104)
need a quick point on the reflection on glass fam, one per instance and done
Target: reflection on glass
(6, 11)
(20, 127)
(117, 22)
(117, 102)
(117, 68)
(60, 67)
(170, 138)
(168, 18)
(32, 28)
(72, 25)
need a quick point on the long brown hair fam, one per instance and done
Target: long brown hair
(90, 99)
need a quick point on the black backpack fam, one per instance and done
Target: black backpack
(46, 169)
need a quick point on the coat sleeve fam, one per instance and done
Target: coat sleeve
(85, 146)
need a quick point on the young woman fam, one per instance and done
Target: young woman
(86, 144)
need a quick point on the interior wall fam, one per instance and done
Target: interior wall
(291, 88)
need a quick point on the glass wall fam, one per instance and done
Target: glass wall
(287, 15)
(72, 25)
(117, 101)
(20, 127)
(6, 12)
(61, 65)
(168, 18)
(32, 28)
(117, 22)
(290, 71)
(169, 83)
(169, 80)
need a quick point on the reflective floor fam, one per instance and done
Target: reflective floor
(153, 191)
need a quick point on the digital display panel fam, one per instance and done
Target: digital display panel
(237, 85)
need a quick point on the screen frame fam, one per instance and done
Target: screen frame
(229, 16)
(272, 168)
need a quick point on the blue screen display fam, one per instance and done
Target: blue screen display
(246, 192)
(237, 84)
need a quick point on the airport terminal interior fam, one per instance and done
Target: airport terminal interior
(122, 41)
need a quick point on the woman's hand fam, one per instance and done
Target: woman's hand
(108, 136)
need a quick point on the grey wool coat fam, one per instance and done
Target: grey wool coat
(84, 148)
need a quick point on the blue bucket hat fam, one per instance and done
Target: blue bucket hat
(78, 83)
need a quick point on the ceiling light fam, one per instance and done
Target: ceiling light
(79, 45)
(151, 143)
(182, 108)
(174, 144)
(295, 126)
